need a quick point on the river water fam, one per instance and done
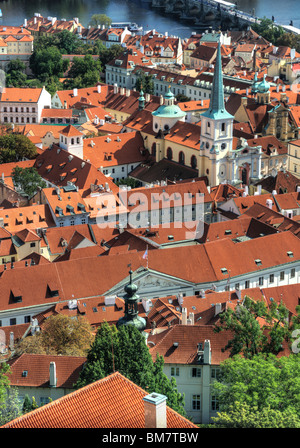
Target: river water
(15, 11)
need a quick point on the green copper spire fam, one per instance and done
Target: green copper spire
(131, 307)
(217, 104)
(254, 87)
(141, 100)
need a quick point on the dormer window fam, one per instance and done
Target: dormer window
(16, 294)
(53, 289)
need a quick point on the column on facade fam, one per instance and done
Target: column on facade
(233, 172)
(259, 162)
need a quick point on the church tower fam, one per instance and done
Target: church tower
(216, 131)
(167, 114)
(131, 299)
(71, 140)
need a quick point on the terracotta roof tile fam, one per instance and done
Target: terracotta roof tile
(67, 369)
(113, 402)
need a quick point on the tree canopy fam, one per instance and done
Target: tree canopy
(263, 391)
(28, 179)
(15, 73)
(9, 403)
(268, 29)
(125, 350)
(84, 72)
(16, 147)
(61, 335)
(144, 82)
(255, 327)
(47, 62)
(100, 19)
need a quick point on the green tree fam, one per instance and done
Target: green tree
(250, 336)
(9, 403)
(67, 42)
(108, 54)
(181, 98)
(48, 62)
(128, 181)
(246, 416)
(289, 40)
(268, 29)
(84, 72)
(144, 82)
(27, 405)
(100, 19)
(248, 390)
(124, 350)
(28, 179)
(11, 408)
(16, 147)
(15, 74)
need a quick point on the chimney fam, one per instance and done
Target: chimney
(184, 316)
(161, 100)
(155, 411)
(115, 88)
(147, 97)
(52, 374)
(180, 299)
(293, 53)
(11, 340)
(99, 88)
(269, 203)
(75, 92)
(127, 92)
(218, 308)
(207, 352)
(146, 304)
(191, 318)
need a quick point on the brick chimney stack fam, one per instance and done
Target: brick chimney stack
(155, 411)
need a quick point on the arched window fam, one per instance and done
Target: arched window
(169, 153)
(153, 150)
(194, 162)
(181, 158)
(72, 141)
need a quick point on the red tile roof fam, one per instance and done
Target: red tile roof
(70, 131)
(31, 217)
(19, 94)
(118, 149)
(112, 402)
(67, 370)
(188, 337)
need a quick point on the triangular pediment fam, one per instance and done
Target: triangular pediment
(151, 283)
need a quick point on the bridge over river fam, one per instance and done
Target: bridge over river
(214, 13)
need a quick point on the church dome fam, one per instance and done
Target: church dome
(169, 109)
